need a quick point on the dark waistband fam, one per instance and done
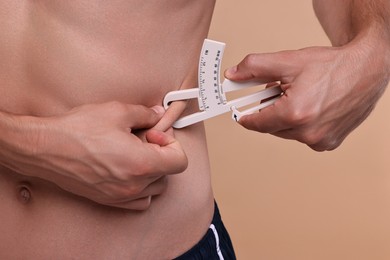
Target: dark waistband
(206, 248)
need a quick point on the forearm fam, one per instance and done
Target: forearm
(362, 28)
(344, 20)
(17, 140)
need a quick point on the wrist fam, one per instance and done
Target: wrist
(19, 140)
(371, 46)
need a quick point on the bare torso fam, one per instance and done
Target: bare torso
(56, 55)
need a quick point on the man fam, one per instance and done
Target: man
(82, 175)
(80, 80)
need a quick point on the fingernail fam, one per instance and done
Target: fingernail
(231, 71)
(158, 109)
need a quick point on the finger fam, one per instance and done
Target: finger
(142, 117)
(165, 156)
(296, 134)
(159, 137)
(272, 84)
(260, 122)
(317, 139)
(144, 200)
(138, 204)
(155, 187)
(141, 200)
(268, 120)
(171, 115)
(265, 67)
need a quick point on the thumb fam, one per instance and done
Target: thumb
(142, 117)
(264, 67)
(160, 138)
(171, 152)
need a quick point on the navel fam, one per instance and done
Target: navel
(24, 193)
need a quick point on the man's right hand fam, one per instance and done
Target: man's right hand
(92, 151)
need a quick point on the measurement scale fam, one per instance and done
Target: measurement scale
(211, 93)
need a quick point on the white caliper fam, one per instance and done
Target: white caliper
(211, 93)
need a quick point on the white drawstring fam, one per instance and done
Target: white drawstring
(217, 241)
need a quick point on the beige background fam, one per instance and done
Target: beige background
(279, 199)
